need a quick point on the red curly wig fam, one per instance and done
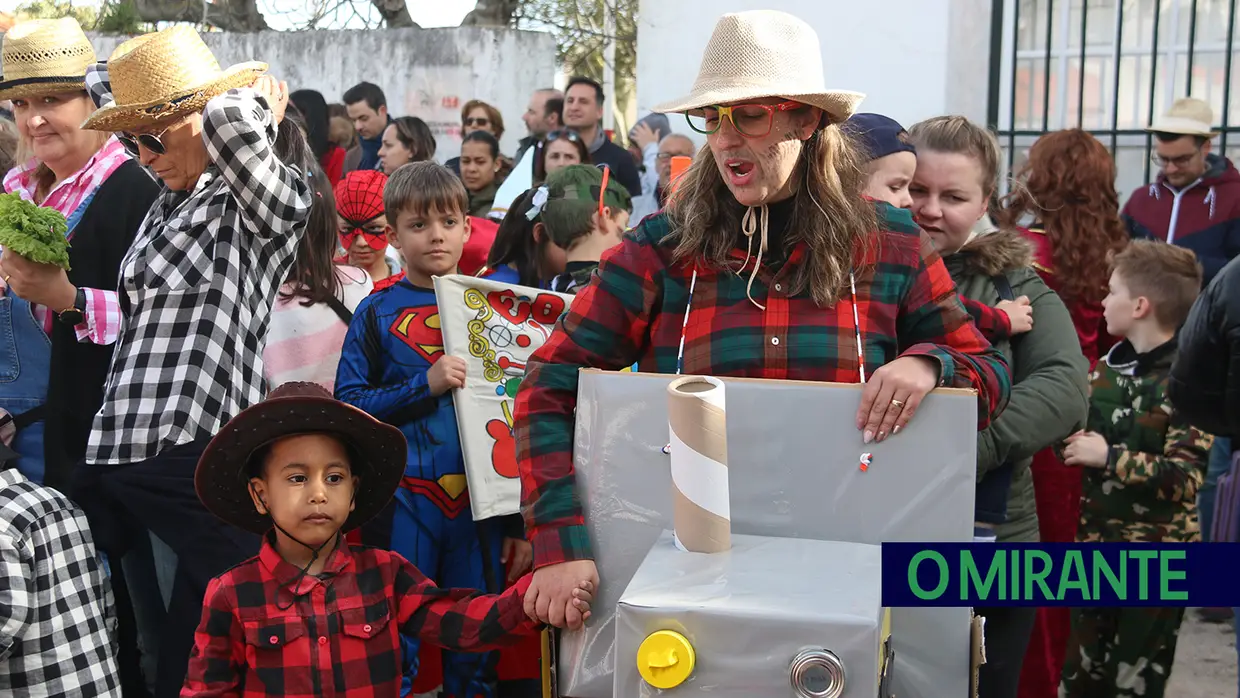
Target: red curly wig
(1068, 185)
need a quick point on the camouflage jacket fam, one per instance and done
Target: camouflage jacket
(1148, 490)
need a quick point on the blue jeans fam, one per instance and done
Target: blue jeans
(25, 362)
(1219, 463)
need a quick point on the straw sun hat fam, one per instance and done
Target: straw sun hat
(764, 53)
(159, 77)
(1187, 117)
(42, 56)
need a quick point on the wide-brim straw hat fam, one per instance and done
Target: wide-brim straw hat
(44, 56)
(159, 77)
(1186, 117)
(760, 54)
(222, 476)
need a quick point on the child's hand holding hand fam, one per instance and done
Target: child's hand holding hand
(1020, 314)
(445, 374)
(582, 596)
(1086, 448)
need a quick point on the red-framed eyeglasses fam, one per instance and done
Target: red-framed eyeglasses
(749, 120)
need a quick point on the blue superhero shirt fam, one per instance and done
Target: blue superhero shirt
(391, 344)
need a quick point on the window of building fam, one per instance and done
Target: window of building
(1110, 67)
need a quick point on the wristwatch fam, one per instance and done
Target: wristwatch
(75, 315)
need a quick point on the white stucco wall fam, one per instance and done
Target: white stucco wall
(428, 73)
(912, 58)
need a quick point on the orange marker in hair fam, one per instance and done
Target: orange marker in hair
(602, 192)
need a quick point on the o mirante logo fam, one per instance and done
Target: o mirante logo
(1060, 574)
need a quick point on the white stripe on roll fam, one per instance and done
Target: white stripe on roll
(700, 479)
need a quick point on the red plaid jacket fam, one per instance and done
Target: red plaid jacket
(634, 310)
(267, 631)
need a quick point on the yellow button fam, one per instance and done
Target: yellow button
(665, 659)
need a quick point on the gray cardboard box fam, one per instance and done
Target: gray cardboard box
(747, 618)
(793, 464)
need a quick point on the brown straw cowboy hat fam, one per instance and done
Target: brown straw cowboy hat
(157, 78)
(378, 450)
(43, 56)
(759, 54)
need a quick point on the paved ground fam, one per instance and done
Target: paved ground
(1205, 660)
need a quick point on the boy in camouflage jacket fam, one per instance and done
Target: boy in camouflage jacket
(1143, 465)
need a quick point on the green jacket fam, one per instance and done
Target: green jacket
(1148, 490)
(481, 202)
(1050, 389)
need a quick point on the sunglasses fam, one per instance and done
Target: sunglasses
(565, 134)
(149, 141)
(472, 121)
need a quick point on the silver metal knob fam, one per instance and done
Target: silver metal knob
(817, 673)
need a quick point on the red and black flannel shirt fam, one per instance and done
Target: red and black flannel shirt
(993, 323)
(268, 631)
(633, 312)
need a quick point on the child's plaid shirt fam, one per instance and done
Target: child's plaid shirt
(268, 631)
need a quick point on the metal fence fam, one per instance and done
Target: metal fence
(1110, 67)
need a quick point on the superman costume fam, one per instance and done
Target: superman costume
(390, 346)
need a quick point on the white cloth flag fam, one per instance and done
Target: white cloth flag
(494, 327)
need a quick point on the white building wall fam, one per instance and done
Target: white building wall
(428, 73)
(912, 58)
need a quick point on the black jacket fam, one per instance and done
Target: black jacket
(622, 166)
(1205, 378)
(79, 369)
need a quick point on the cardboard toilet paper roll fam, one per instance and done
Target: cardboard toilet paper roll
(697, 421)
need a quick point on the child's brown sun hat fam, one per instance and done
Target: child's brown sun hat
(222, 478)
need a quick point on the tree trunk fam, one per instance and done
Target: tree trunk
(395, 13)
(492, 13)
(229, 15)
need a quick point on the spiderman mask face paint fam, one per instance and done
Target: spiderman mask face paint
(372, 232)
(359, 208)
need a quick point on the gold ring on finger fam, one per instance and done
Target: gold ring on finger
(897, 403)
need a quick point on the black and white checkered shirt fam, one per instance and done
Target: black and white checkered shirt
(57, 622)
(197, 286)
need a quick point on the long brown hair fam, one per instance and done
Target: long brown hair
(313, 278)
(831, 215)
(1068, 184)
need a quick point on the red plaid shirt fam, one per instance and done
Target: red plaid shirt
(993, 323)
(634, 311)
(267, 631)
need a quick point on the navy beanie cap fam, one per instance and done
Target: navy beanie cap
(878, 135)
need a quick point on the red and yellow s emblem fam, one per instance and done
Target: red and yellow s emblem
(419, 328)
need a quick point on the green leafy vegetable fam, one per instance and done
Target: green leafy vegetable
(34, 232)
